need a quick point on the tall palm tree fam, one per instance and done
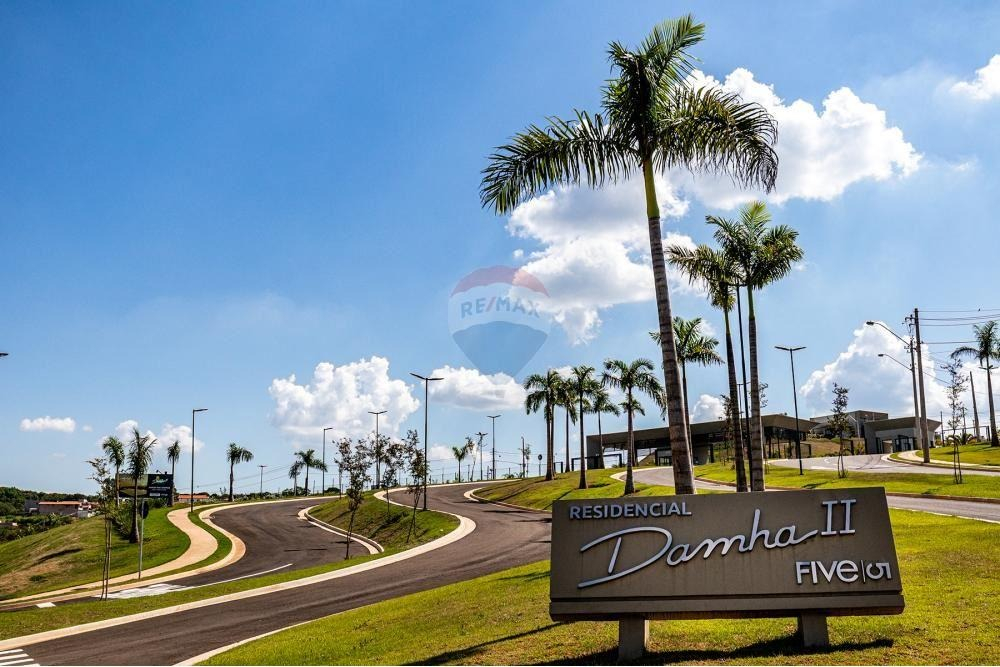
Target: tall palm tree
(601, 403)
(293, 474)
(762, 255)
(715, 270)
(582, 384)
(115, 451)
(654, 120)
(542, 394)
(986, 350)
(694, 347)
(567, 401)
(630, 378)
(236, 454)
(308, 459)
(173, 456)
(138, 458)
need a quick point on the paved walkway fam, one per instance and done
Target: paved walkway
(871, 463)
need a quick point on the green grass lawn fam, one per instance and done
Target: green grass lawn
(389, 525)
(72, 555)
(948, 569)
(981, 454)
(981, 486)
(32, 620)
(537, 493)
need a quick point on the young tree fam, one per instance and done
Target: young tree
(236, 454)
(954, 390)
(840, 424)
(293, 474)
(138, 458)
(418, 470)
(985, 350)
(173, 456)
(106, 492)
(114, 450)
(525, 453)
(654, 119)
(630, 378)
(601, 403)
(356, 464)
(377, 447)
(461, 452)
(693, 347)
(542, 393)
(394, 453)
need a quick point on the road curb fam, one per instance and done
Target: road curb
(966, 467)
(471, 495)
(901, 494)
(319, 523)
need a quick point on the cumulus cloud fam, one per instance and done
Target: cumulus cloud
(469, 389)
(985, 86)
(340, 397)
(875, 383)
(166, 436)
(708, 408)
(59, 424)
(821, 153)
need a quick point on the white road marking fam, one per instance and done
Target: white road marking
(245, 576)
(16, 657)
(145, 591)
(45, 605)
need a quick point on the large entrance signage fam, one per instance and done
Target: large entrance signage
(158, 485)
(809, 554)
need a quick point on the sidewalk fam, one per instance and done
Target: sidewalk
(916, 457)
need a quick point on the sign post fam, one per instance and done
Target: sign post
(805, 554)
(143, 513)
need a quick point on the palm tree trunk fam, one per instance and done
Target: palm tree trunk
(173, 487)
(566, 469)
(134, 535)
(687, 405)
(550, 448)
(734, 409)
(629, 481)
(583, 453)
(680, 446)
(231, 482)
(756, 446)
(600, 442)
(307, 481)
(118, 500)
(994, 439)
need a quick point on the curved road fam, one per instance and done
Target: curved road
(873, 463)
(968, 509)
(503, 538)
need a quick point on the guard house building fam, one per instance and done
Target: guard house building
(858, 420)
(899, 434)
(707, 439)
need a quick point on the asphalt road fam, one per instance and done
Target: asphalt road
(962, 508)
(503, 538)
(871, 463)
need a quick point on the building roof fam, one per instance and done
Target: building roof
(660, 435)
(898, 423)
(63, 502)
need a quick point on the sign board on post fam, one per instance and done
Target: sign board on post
(809, 554)
(158, 485)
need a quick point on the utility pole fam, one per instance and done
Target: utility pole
(480, 452)
(923, 398)
(193, 412)
(427, 381)
(975, 411)
(375, 449)
(261, 466)
(795, 397)
(493, 418)
(328, 428)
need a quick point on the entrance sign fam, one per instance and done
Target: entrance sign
(809, 554)
(158, 485)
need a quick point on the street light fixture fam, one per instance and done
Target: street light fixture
(493, 429)
(375, 449)
(795, 397)
(427, 381)
(919, 422)
(193, 412)
(323, 475)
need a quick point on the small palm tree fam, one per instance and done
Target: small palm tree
(601, 403)
(761, 255)
(693, 347)
(173, 456)
(140, 455)
(115, 451)
(582, 384)
(308, 459)
(985, 350)
(460, 453)
(293, 474)
(542, 394)
(715, 270)
(654, 119)
(630, 378)
(236, 454)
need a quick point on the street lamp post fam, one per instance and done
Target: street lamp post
(323, 471)
(193, 412)
(427, 381)
(493, 429)
(795, 398)
(918, 422)
(261, 466)
(375, 449)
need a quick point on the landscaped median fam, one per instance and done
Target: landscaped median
(947, 568)
(536, 493)
(980, 456)
(924, 484)
(371, 520)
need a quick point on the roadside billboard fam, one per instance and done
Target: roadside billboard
(155, 485)
(783, 553)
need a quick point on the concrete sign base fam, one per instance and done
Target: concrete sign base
(633, 638)
(813, 631)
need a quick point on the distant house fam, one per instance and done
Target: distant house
(78, 508)
(198, 497)
(899, 434)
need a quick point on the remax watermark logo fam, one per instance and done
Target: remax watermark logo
(498, 317)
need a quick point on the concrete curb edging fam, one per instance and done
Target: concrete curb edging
(370, 544)
(471, 495)
(465, 527)
(901, 494)
(966, 467)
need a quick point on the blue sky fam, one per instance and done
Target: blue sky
(199, 199)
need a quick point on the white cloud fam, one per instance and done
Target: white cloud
(60, 424)
(875, 383)
(87, 428)
(821, 153)
(340, 397)
(984, 87)
(469, 389)
(708, 408)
